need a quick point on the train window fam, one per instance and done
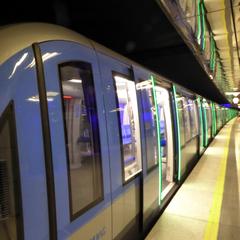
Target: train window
(149, 123)
(10, 200)
(181, 119)
(192, 106)
(186, 120)
(166, 137)
(129, 126)
(161, 102)
(82, 136)
(209, 114)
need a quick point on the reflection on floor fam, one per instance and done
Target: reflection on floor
(207, 204)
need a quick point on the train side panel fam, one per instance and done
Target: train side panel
(18, 85)
(124, 137)
(79, 141)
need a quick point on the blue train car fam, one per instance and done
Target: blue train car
(92, 145)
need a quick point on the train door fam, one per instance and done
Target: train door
(214, 119)
(207, 122)
(166, 140)
(122, 112)
(150, 146)
(157, 142)
(78, 139)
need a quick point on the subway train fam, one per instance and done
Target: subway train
(92, 145)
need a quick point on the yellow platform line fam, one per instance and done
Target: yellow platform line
(211, 231)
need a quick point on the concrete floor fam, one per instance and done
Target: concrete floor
(207, 204)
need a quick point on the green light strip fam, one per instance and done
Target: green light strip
(199, 22)
(203, 26)
(212, 52)
(201, 122)
(214, 56)
(213, 118)
(205, 125)
(158, 140)
(178, 134)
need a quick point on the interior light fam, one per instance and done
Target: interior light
(235, 100)
(232, 93)
(75, 80)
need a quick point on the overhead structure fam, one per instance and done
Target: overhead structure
(211, 29)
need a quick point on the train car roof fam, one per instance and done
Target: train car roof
(16, 37)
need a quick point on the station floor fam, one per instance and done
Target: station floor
(206, 206)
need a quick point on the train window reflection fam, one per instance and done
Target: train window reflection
(129, 126)
(181, 118)
(186, 120)
(166, 139)
(149, 123)
(192, 106)
(209, 117)
(82, 136)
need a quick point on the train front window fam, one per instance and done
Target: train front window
(10, 196)
(129, 126)
(82, 136)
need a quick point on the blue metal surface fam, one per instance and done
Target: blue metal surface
(107, 66)
(18, 83)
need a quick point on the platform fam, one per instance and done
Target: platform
(206, 206)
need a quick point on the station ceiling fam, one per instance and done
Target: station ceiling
(139, 30)
(224, 19)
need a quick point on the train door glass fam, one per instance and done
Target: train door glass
(181, 119)
(209, 119)
(129, 123)
(150, 124)
(10, 216)
(186, 120)
(192, 106)
(82, 135)
(166, 136)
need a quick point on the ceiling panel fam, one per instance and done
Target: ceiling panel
(224, 19)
